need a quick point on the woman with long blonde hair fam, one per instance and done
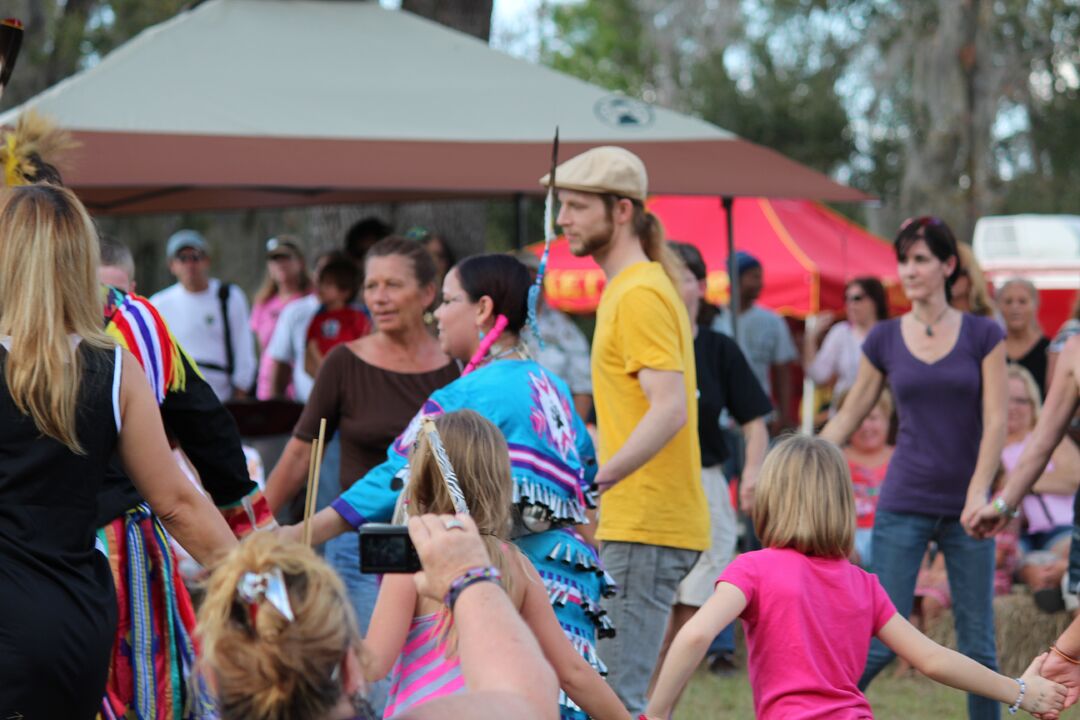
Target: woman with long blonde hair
(68, 400)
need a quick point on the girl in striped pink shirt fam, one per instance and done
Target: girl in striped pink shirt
(412, 638)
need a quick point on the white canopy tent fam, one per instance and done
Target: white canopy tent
(258, 103)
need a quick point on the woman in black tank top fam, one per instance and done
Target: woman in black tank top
(66, 405)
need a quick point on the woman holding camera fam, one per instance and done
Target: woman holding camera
(483, 312)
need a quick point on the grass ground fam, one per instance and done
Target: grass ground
(909, 698)
(1023, 632)
(709, 696)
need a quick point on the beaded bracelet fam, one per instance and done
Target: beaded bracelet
(468, 578)
(1019, 698)
(1003, 509)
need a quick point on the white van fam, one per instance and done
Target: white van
(1045, 249)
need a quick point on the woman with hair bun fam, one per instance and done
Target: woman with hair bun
(279, 636)
(483, 313)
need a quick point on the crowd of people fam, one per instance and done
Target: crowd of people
(572, 515)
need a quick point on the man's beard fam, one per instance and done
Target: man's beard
(595, 243)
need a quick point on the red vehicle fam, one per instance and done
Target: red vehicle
(1044, 249)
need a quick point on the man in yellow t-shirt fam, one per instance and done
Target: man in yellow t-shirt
(653, 514)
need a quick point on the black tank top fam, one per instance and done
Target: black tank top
(48, 494)
(58, 606)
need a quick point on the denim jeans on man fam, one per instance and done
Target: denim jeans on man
(343, 554)
(646, 577)
(899, 542)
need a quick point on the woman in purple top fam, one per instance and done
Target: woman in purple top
(947, 373)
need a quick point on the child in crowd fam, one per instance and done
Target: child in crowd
(868, 453)
(809, 613)
(337, 320)
(1047, 512)
(412, 637)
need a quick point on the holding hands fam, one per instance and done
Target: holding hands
(1041, 696)
(1062, 671)
(985, 521)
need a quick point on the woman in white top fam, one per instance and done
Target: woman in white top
(837, 362)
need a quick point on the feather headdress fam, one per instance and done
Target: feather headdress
(549, 237)
(29, 152)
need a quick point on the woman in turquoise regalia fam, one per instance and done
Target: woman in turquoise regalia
(483, 312)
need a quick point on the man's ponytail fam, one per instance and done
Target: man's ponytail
(654, 242)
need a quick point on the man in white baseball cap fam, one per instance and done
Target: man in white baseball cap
(654, 518)
(209, 317)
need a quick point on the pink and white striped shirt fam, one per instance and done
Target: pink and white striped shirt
(423, 672)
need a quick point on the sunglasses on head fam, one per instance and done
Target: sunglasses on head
(921, 222)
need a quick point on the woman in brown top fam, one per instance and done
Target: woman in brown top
(368, 390)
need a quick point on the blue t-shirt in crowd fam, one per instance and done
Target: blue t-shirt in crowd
(939, 406)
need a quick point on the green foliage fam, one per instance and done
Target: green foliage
(782, 95)
(920, 103)
(63, 37)
(602, 42)
(786, 104)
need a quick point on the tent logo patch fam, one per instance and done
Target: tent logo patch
(624, 112)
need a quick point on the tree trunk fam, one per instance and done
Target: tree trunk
(938, 149)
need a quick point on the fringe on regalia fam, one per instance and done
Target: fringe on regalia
(152, 674)
(136, 325)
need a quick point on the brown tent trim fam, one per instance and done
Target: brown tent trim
(152, 172)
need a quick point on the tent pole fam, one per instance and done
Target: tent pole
(521, 218)
(728, 204)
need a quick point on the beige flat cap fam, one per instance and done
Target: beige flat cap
(606, 169)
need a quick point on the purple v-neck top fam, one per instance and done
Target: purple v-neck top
(939, 406)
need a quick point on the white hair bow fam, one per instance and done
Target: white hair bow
(269, 586)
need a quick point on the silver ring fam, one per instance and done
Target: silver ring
(454, 524)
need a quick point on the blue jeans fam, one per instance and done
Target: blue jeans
(724, 642)
(899, 542)
(329, 485)
(343, 554)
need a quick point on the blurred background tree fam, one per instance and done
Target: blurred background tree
(959, 108)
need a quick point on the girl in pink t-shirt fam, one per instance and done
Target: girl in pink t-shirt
(810, 614)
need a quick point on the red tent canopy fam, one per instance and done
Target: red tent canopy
(808, 252)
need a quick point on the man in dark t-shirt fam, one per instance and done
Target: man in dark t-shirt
(725, 382)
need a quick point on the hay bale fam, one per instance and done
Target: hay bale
(1022, 630)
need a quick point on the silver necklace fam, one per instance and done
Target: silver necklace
(930, 326)
(518, 348)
